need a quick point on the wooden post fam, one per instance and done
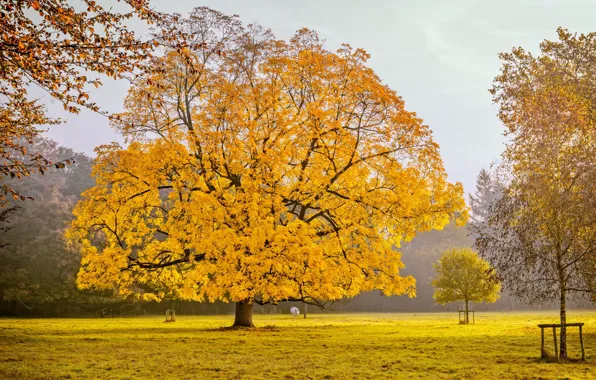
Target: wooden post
(555, 338)
(542, 353)
(170, 315)
(581, 342)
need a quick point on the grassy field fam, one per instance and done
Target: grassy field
(327, 346)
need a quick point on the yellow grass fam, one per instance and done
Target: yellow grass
(328, 346)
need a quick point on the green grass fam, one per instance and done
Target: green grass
(328, 346)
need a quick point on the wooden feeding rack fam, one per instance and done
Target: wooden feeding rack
(170, 316)
(463, 320)
(554, 327)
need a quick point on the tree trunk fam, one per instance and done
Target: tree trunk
(563, 339)
(243, 314)
(305, 310)
(467, 310)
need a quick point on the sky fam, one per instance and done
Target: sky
(439, 55)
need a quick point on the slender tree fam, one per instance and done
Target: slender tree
(260, 171)
(461, 275)
(542, 233)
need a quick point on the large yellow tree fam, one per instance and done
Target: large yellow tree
(259, 171)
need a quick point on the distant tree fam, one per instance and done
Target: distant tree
(420, 255)
(260, 171)
(54, 45)
(541, 236)
(488, 191)
(461, 275)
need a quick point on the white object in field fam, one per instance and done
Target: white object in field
(295, 311)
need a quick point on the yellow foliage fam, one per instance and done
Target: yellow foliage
(282, 172)
(462, 275)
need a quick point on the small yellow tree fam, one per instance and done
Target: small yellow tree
(462, 275)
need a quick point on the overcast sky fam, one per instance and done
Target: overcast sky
(439, 55)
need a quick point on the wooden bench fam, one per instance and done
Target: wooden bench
(554, 327)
